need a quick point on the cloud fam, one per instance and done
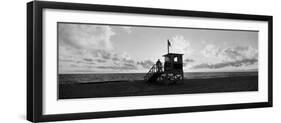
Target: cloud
(87, 37)
(86, 46)
(88, 59)
(122, 68)
(230, 54)
(101, 60)
(180, 45)
(211, 51)
(122, 64)
(146, 64)
(239, 56)
(128, 29)
(104, 54)
(188, 60)
(239, 63)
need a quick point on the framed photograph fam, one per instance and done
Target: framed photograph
(89, 61)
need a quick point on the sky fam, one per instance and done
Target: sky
(100, 48)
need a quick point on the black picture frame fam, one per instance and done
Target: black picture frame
(35, 69)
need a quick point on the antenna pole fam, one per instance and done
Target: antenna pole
(168, 45)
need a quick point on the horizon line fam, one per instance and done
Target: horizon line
(146, 72)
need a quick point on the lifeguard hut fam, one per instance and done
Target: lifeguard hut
(173, 69)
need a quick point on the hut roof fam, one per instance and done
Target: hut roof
(172, 54)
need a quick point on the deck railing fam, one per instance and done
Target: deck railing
(151, 71)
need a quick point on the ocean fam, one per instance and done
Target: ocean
(90, 78)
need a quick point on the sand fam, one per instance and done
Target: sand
(142, 88)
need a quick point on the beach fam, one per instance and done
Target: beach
(143, 88)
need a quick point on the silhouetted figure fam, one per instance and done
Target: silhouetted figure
(159, 66)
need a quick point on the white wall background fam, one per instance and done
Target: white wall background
(13, 61)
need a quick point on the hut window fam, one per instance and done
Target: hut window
(176, 59)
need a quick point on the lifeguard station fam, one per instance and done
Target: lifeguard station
(173, 69)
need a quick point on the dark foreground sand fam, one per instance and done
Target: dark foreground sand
(141, 88)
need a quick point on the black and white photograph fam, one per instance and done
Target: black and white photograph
(91, 60)
(97, 60)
